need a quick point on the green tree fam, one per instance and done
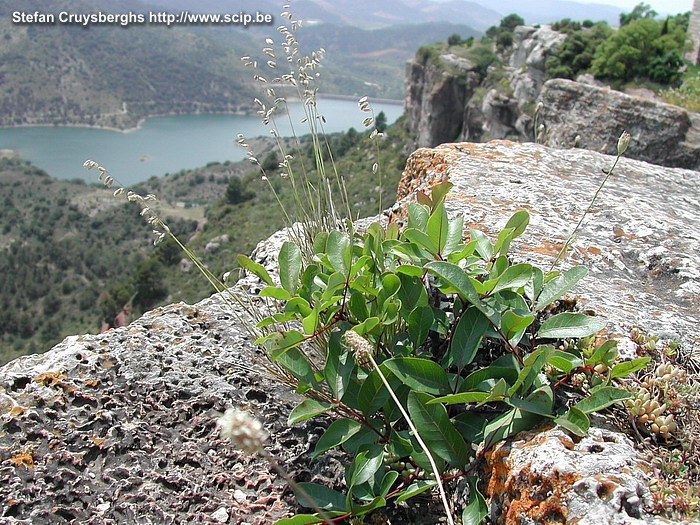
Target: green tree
(454, 40)
(380, 122)
(639, 12)
(576, 53)
(236, 191)
(510, 22)
(640, 50)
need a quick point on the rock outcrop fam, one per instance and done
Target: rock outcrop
(638, 242)
(120, 427)
(437, 92)
(450, 98)
(661, 133)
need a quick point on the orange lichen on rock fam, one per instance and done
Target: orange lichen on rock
(22, 459)
(522, 493)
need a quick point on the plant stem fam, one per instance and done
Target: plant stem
(436, 472)
(590, 205)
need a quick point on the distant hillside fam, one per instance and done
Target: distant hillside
(372, 62)
(113, 76)
(71, 255)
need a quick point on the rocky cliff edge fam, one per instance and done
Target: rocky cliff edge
(119, 427)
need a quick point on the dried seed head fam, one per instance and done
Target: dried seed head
(623, 143)
(242, 429)
(361, 348)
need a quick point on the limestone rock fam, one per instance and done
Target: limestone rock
(547, 477)
(436, 95)
(639, 241)
(449, 98)
(661, 133)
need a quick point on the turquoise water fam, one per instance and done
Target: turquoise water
(165, 144)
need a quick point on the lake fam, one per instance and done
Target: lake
(166, 144)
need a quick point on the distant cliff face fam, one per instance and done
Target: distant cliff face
(450, 98)
(661, 133)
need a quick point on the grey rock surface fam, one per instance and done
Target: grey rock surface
(661, 133)
(449, 98)
(639, 241)
(120, 427)
(548, 477)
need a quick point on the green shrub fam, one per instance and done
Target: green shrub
(426, 346)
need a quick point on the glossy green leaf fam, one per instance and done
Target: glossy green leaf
(307, 409)
(483, 245)
(336, 434)
(628, 367)
(534, 287)
(256, 269)
(532, 366)
(565, 361)
(338, 249)
(439, 192)
(438, 227)
(422, 375)
(373, 394)
(454, 236)
(605, 353)
(569, 324)
(422, 239)
(321, 496)
(463, 397)
(602, 398)
(339, 365)
(473, 380)
(518, 221)
(513, 325)
(367, 325)
(275, 292)
(466, 339)
(457, 280)
(513, 277)
(540, 402)
(471, 426)
(289, 264)
(437, 430)
(359, 510)
(419, 322)
(575, 422)
(417, 216)
(388, 482)
(366, 436)
(476, 510)
(365, 465)
(557, 287)
(295, 362)
(509, 424)
(414, 489)
(280, 342)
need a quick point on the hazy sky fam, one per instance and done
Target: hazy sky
(661, 6)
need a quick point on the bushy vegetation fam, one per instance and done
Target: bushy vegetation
(643, 49)
(58, 255)
(576, 53)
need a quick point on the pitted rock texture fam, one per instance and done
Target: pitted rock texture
(661, 133)
(639, 242)
(548, 477)
(120, 427)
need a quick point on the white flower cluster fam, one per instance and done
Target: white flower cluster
(242, 429)
(361, 348)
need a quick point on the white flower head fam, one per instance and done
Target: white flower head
(242, 429)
